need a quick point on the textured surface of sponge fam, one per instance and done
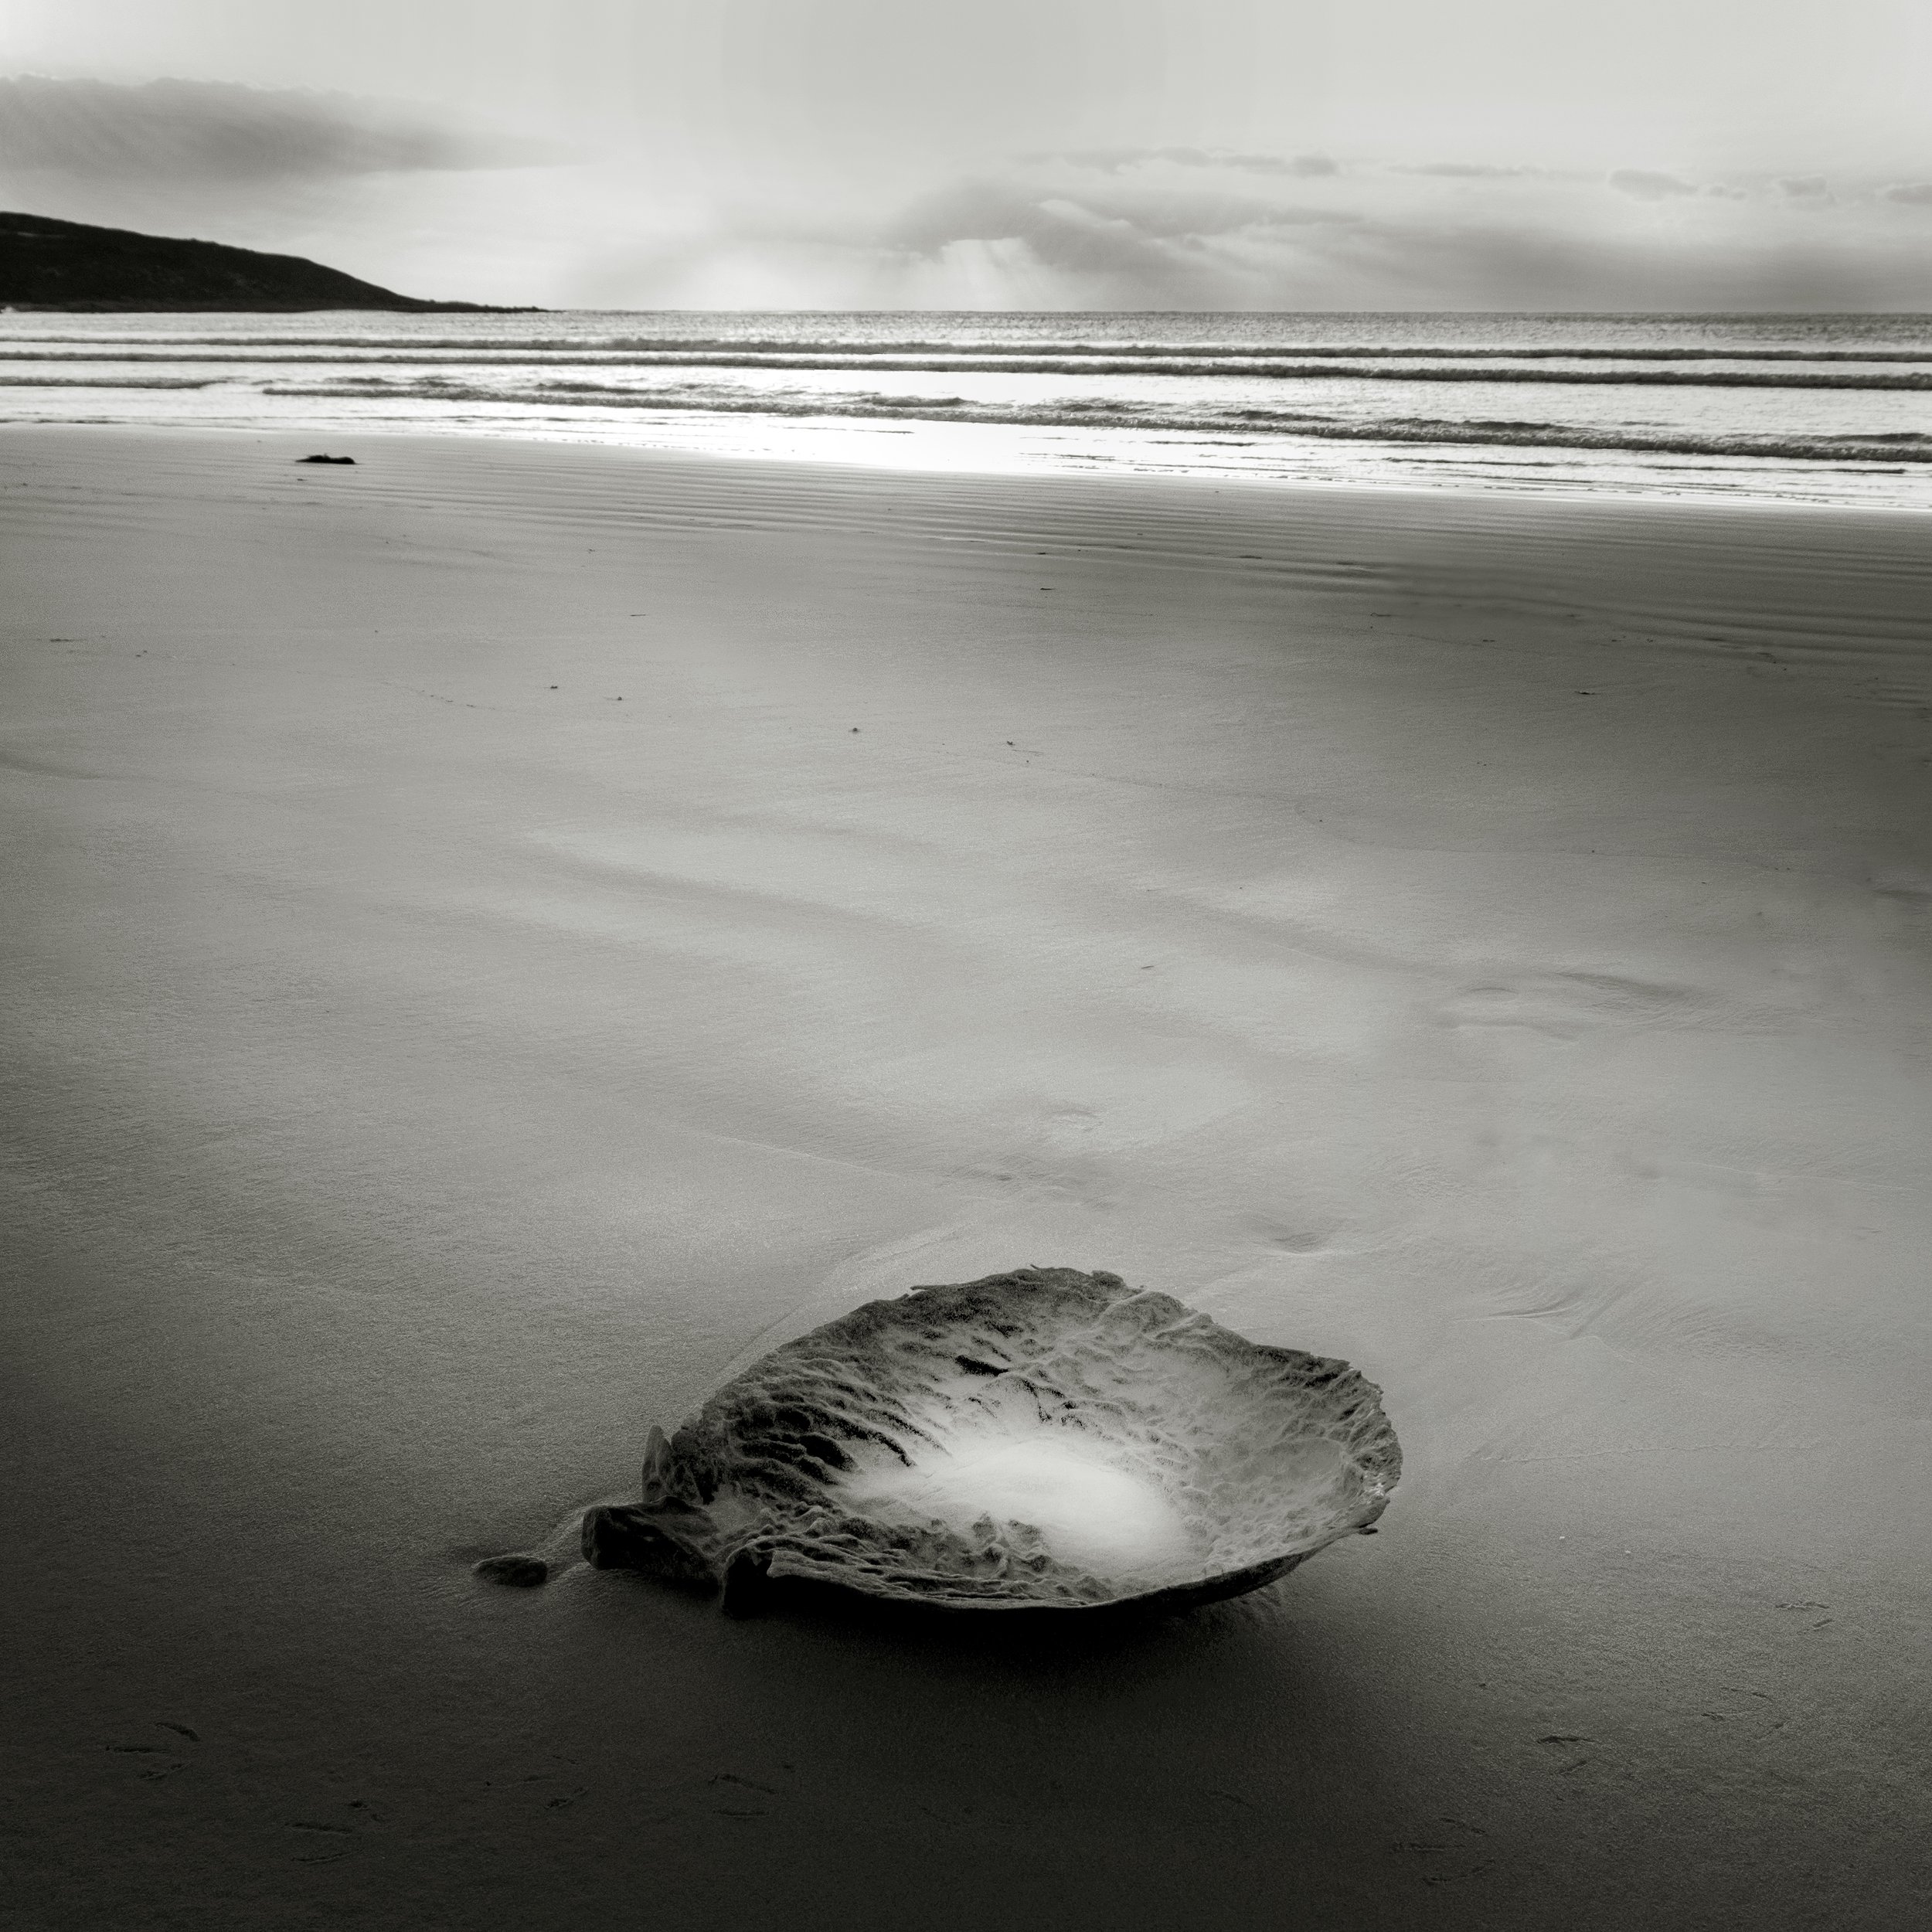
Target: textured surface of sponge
(1040, 1439)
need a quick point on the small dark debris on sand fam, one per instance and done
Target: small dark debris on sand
(325, 459)
(518, 1573)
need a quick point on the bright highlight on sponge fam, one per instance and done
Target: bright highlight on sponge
(1041, 1440)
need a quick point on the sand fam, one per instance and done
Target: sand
(496, 937)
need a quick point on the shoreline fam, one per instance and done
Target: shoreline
(559, 438)
(507, 932)
(874, 449)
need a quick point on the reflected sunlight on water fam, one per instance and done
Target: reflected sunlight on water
(1802, 409)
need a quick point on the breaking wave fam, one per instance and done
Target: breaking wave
(108, 382)
(1367, 366)
(845, 348)
(1813, 408)
(1890, 446)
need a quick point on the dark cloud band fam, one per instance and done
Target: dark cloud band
(211, 131)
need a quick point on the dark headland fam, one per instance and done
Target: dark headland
(46, 263)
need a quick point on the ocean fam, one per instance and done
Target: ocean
(1813, 409)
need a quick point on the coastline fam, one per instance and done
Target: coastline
(472, 986)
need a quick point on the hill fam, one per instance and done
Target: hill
(46, 263)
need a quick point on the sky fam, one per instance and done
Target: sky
(1545, 154)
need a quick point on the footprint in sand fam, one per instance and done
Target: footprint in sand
(1567, 1006)
(1909, 893)
(1294, 1240)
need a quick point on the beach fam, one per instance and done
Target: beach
(499, 935)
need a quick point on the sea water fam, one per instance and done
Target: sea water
(1825, 408)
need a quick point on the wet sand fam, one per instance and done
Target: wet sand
(498, 936)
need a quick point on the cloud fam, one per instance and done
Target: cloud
(1114, 161)
(1466, 170)
(1058, 233)
(213, 132)
(1645, 184)
(1059, 215)
(1095, 236)
(1804, 187)
(1305, 165)
(393, 193)
(1145, 228)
